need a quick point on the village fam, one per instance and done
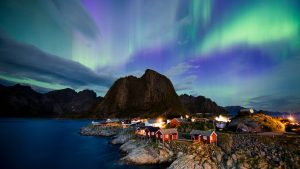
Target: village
(188, 128)
(215, 142)
(166, 130)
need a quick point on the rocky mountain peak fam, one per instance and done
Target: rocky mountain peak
(149, 72)
(88, 93)
(151, 75)
(153, 92)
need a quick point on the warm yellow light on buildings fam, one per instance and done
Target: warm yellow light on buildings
(291, 118)
(222, 118)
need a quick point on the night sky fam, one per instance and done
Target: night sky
(234, 52)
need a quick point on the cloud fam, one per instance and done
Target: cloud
(186, 83)
(275, 103)
(72, 12)
(27, 62)
(179, 69)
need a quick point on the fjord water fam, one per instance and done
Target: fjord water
(49, 144)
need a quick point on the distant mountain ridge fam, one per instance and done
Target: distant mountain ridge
(23, 101)
(201, 104)
(233, 110)
(151, 95)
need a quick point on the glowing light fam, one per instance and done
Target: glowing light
(251, 38)
(291, 118)
(257, 25)
(187, 116)
(222, 119)
(160, 120)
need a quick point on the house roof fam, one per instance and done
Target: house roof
(179, 119)
(152, 129)
(141, 128)
(201, 132)
(168, 131)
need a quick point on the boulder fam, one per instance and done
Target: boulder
(185, 162)
(120, 139)
(129, 146)
(146, 155)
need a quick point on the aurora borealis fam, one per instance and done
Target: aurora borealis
(235, 52)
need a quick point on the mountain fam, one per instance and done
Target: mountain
(72, 102)
(152, 94)
(23, 101)
(200, 104)
(233, 110)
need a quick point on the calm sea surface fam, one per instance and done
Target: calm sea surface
(55, 144)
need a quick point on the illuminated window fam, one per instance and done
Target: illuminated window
(167, 136)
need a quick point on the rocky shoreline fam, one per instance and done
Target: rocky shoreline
(141, 153)
(233, 151)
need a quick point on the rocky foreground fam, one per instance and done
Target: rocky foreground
(232, 151)
(141, 153)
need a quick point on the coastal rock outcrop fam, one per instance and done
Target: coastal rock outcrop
(130, 145)
(146, 155)
(256, 122)
(120, 139)
(141, 154)
(192, 162)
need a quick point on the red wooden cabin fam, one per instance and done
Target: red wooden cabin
(150, 131)
(167, 134)
(176, 122)
(204, 136)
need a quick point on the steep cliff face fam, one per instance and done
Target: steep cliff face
(150, 94)
(201, 104)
